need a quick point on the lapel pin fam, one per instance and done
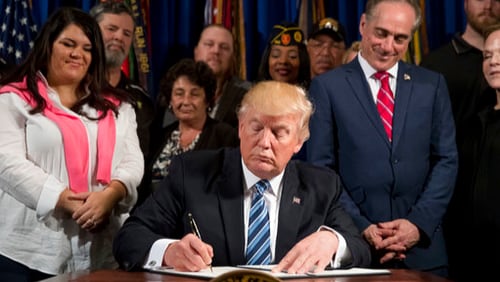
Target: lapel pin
(406, 76)
(296, 200)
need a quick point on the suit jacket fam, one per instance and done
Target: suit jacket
(209, 184)
(412, 178)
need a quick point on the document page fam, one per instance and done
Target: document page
(204, 273)
(324, 273)
(219, 270)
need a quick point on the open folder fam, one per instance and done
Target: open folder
(220, 270)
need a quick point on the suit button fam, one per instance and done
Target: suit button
(395, 161)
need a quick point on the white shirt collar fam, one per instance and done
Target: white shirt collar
(369, 71)
(250, 179)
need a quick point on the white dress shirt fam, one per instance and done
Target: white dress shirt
(374, 83)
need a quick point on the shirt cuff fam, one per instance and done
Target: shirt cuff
(343, 254)
(52, 189)
(155, 257)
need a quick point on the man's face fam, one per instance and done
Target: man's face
(324, 53)
(267, 143)
(216, 49)
(386, 35)
(482, 13)
(117, 32)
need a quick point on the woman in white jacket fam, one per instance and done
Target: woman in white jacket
(70, 160)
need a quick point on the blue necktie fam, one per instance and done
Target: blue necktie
(259, 239)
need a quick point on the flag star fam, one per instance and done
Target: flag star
(16, 30)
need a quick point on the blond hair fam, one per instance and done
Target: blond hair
(355, 47)
(277, 98)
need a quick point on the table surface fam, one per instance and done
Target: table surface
(123, 276)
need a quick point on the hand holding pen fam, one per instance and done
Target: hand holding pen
(196, 232)
(188, 254)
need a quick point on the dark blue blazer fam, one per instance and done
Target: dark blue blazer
(412, 178)
(209, 184)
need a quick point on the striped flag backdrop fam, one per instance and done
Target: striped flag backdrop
(17, 30)
(419, 45)
(140, 57)
(310, 12)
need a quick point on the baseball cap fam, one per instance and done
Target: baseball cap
(330, 27)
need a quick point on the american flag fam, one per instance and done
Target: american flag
(17, 30)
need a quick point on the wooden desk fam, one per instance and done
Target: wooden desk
(122, 276)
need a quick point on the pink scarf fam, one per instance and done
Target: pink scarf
(75, 139)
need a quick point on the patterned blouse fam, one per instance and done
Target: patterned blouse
(171, 149)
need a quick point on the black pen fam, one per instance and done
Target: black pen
(196, 231)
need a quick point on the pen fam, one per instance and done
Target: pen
(196, 231)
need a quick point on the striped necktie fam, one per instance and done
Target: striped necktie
(259, 239)
(385, 102)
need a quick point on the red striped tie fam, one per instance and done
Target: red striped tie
(385, 102)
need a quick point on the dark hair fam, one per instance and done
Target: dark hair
(198, 73)
(304, 76)
(39, 57)
(371, 4)
(110, 7)
(4, 67)
(234, 66)
(490, 29)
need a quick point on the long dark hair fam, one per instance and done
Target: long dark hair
(38, 59)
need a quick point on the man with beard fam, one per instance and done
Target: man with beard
(116, 20)
(216, 47)
(460, 61)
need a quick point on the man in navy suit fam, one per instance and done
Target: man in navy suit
(308, 227)
(398, 174)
